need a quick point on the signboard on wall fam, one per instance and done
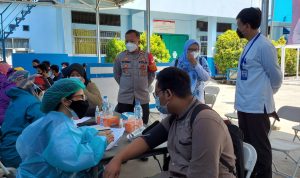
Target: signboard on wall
(164, 26)
(295, 30)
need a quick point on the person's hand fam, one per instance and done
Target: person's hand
(112, 170)
(191, 58)
(108, 134)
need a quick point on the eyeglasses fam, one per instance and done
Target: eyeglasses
(81, 97)
(156, 95)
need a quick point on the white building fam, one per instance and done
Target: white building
(71, 31)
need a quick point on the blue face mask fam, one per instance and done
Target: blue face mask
(160, 108)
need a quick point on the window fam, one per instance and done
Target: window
(90, 18)
(85, 40)
(11, 43)
(223, 27)
(108, 19)
(203, 43)
(26, 28)
(83, 17)
(202, 26)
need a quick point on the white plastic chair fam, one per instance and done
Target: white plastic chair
(285, 146)
(232, 115)
(250, 157)
(210, 99)
(212, 90)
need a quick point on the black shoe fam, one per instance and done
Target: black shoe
(144, 159)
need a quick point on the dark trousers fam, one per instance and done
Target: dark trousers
(256, 128)
(121, 107)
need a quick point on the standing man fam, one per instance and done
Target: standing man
(56, 73)
(134, 71)
(35, 63)
(259, 78)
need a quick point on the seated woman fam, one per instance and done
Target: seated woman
(91, 92)
(54, 146)
(24, 109)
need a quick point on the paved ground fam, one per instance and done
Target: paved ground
(288, 95)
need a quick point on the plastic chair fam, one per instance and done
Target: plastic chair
(285, 146)
(212, 90)
(250, 157)
(232, 115)
(291, 113)
(210, 99)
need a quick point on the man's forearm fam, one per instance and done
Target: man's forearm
(136, 148)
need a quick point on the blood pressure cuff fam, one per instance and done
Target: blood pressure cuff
(155, 135)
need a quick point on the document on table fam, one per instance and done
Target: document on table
(118, 133)
(78, 121)
(99, 127)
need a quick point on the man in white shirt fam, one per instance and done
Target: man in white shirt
(259, 78)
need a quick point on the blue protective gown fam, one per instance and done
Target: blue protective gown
(53, 146)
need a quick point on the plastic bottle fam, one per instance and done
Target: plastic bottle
(98, 118)
(105, 106)
(138, 114)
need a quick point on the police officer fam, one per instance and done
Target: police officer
(134, 71)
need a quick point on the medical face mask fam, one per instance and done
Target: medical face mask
(195, 54)
(80, 107)
(160, 108)
(76, 77)
(240, 34)
(79, 78)
(131, 46)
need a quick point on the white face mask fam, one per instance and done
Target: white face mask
(195, 54)
(76, 77)
(131, 46)
(79, 78)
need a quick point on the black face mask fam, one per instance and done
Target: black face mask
(80, 107)
(34, 67)
(239, 33)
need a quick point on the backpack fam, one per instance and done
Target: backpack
(237, 139)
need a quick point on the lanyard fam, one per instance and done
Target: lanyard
(243, 60)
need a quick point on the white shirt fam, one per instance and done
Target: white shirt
(263, 80)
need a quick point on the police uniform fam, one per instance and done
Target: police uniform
(132, 74)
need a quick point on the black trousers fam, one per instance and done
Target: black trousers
(121, 107)
(256, 128)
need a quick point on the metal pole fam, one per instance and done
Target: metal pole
(3, 40)
(264, 19)
(297, 70)
(98, 32)
(282, 61)
(148, 24)
(272, 19)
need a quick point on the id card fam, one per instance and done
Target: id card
(244, 74)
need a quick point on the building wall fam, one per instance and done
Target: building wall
(283, 11)
(51, 28)
(220, 8)
(282, 18)
(46, 31)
